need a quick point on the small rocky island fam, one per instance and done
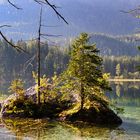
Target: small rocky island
(75, 95)
(67, 110)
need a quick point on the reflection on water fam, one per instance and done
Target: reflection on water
(125, 95)
(45, 130)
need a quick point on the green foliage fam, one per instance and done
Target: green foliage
(22, 107)
(47, 87)
(25, 107)
(55, 59)
(3, 96)
(128, 66)
(17, 86)
(118, 70)
(139, 47)
(44, 82)
(84, 73)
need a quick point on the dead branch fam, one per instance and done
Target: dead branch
(5, 26)
(29, 62)
(50, 26)
(54, 7)
(55, 10)
(40, 2)
(49, 35)
(14, 5)
(134, 12)
(11, 44)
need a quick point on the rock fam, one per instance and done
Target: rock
(105, 116)
(47, 109)
(30, 93)
(97, 112)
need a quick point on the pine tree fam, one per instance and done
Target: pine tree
(84, 72)
(118, 70)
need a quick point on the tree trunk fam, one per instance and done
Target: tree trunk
(38, 55)
(82, 95)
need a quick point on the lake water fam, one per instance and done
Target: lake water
(126, 95)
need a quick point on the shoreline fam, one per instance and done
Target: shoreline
(124, 80)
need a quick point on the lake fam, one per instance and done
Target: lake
(126, 95)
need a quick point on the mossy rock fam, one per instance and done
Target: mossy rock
(91, 115)
(69, 110)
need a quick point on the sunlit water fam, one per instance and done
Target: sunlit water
(126, 95)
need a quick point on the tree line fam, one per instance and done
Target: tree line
(13, 64)
(122, 66)
(54, 60)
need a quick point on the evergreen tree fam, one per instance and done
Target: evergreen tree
(118, 69)
(84, 72)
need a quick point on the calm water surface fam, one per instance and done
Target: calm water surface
(126, 95)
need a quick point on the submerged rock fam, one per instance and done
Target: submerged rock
(69, 110)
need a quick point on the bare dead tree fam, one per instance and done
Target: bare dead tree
(38, 54)
(54, 8)
(41, 34)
